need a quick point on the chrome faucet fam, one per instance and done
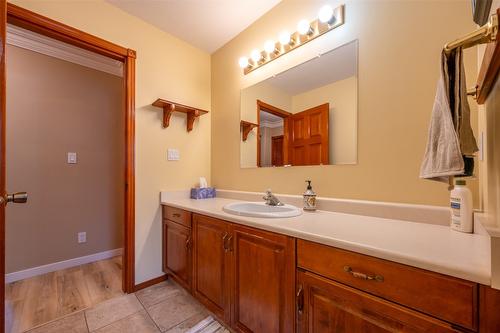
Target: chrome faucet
(271, 199)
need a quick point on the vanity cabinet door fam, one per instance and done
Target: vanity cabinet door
(325, 306)
(264, 281)
(211, 260)
(177, 252)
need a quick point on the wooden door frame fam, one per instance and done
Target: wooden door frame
(263, 106)
(45, 26)
(3, 19)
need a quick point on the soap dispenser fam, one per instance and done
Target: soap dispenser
(309, 198)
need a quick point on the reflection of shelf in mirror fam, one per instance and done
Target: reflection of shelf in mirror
(246, 127)
(169, 107)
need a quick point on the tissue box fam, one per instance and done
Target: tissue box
(203, 193)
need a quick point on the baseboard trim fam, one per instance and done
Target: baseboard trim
(151, 282)
(39, 270)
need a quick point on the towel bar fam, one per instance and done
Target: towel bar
(485, 34)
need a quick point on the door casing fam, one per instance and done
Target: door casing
(26, 19)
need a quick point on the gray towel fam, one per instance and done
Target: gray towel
(443, 157)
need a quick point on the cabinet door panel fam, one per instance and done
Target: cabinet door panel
(328, 306)
(263, 281)
(211, 282)
(178, 253)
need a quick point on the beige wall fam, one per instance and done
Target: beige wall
(55, 107)
(166, 67)
(399, 52)
(343, 115)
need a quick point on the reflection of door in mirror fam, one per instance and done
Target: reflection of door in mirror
(309, 136)
(277, 150)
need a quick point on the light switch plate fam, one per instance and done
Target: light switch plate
(173, 154)
(72, 159)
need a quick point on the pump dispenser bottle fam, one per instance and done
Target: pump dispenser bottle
(309, 198)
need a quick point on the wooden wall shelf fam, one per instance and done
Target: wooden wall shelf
(169, 107)
(246, 127)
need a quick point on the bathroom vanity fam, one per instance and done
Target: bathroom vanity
(307, 274)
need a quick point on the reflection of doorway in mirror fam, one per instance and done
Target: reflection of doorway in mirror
(273, 122)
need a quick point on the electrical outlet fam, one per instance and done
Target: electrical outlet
(72, 158)
(173, 154)
(82, 237)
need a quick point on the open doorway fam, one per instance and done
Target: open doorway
(121, 173)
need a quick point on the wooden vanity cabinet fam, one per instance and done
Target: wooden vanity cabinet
(264, 281)
(211, 265)
(244, 275)
(177, 246)
(326, 306)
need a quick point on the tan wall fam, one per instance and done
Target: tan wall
(399, 52)
(343, 115)
(55, 107)
(166, 67)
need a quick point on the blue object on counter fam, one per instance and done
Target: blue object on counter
(203, 193)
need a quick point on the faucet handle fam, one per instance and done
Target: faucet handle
(268, 191)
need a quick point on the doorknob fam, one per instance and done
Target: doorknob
(19, 197)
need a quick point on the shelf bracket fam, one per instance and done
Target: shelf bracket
(167, 113)
(247, 127)
(191, 117)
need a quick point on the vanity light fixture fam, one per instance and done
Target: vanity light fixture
(325, 15)
(270, 47)
(328, 19)
(285, 38)
(304, 28)
(243, 62)
(256, 56)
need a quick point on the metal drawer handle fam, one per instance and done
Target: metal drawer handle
(176, 215)
(224, 245)
(358, 275)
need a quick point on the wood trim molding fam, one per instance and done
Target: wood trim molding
(151, 282)
(490, 69)
(45, 26)
(42, 25)
(129, 235)
(32, 41)
(272, 109)
(3, 19)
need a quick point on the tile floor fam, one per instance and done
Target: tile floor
(164, 307)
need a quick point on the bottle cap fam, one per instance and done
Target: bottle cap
(460, 182)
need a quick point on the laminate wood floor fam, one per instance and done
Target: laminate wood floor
(40, 299)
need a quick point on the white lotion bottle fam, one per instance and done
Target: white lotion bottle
(461, 207)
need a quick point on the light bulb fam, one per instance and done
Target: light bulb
(243, 62)
(325, 14)
(303, 27)
(269, 46)
(284, 37)
(255, 55)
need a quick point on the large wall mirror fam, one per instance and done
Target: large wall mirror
(306, 115)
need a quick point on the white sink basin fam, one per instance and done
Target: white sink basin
(260, 209)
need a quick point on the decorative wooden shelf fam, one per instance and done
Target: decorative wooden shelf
(247, 126)
(169, 107)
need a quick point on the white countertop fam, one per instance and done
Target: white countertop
(433, 247)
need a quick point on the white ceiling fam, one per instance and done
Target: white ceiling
(206, 24)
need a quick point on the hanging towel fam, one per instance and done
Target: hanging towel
(443, 157)
(461, 112)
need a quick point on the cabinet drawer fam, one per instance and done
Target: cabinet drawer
(177, 215)
(444, 297)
